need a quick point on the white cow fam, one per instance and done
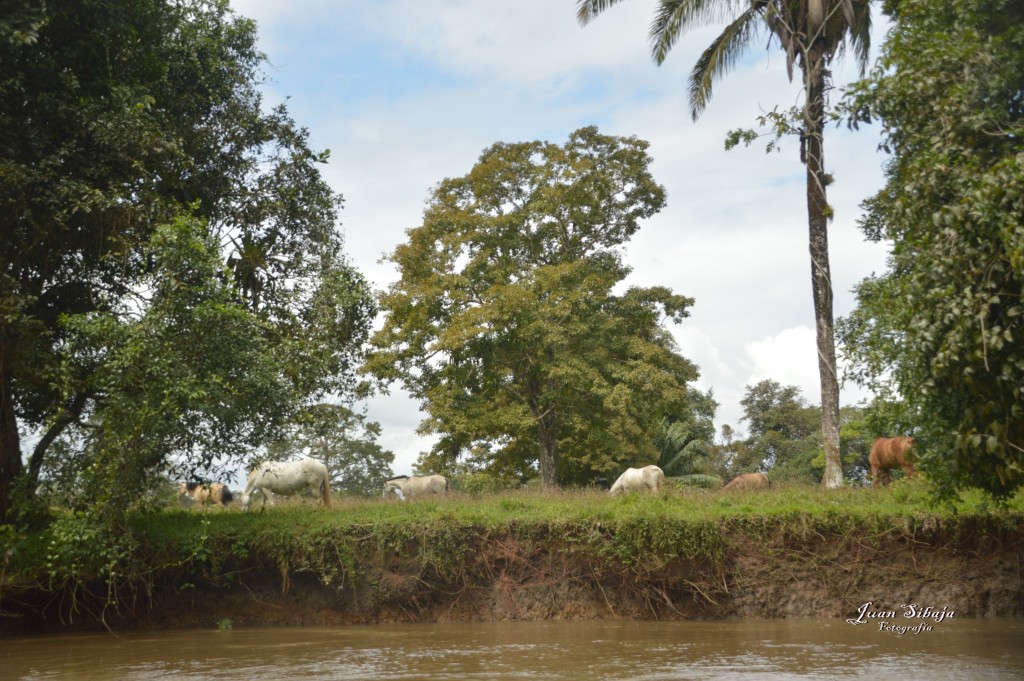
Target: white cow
(406, 487)
(287, 478)
(639, 479)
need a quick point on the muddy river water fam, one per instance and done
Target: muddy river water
(957, 648)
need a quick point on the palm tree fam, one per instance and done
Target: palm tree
(812, 33)
(684, 454)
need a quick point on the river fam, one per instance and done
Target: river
(957, 648)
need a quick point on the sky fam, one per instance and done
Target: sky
(406, 93)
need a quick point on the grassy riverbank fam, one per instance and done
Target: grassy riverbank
(531, 555)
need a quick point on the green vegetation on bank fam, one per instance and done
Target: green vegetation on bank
(902, 500)
(368, 557)
(334, 543)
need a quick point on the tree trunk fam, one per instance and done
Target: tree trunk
(66, 417)
(547, 434)
(547, 439)
(10, 442)
(546, 418)
(821, 276)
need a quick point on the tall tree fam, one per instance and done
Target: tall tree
(346, 442)
(943, 329)
(504, 322)
(811, 33)
(783, 437)
(117, 118)
(192, 374)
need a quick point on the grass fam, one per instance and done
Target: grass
(294, 524)
(178, 534)
(457, 541)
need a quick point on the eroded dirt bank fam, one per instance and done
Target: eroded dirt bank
(975, 568)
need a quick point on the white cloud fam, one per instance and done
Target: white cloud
(523, 43)
(402, 416)
(789, 357)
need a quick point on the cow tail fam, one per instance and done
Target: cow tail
(325, 490)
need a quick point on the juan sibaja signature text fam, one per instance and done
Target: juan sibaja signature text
(890, 620)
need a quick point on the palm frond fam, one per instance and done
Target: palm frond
(587, 10)
(691, 459)
(707, 481)
(848, 26)
(720, 57)
(860, 34)
(674, 18)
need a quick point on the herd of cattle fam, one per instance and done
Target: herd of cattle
(289, 477)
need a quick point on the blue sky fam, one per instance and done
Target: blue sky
(408, 92)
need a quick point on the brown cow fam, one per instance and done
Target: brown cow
(217, 493)
(888, 453)
(749, 481)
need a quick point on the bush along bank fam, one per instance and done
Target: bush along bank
(564, 556)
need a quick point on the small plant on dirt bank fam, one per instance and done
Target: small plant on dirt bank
(83, 551)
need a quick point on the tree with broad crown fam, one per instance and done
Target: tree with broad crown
(504, 324)
(811, 33)
(117, 119)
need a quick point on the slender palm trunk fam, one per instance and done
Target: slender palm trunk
(821, 275)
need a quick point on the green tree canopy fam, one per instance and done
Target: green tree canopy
(117, 118)
(505, 323)
(861, 425)
(940, 334)
(190, 375)
(784, 433)
(784, 439)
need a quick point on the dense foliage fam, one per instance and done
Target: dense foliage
(148, 203)
(784, 440)
(941, 333)
(784, 433)
(505, 322)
